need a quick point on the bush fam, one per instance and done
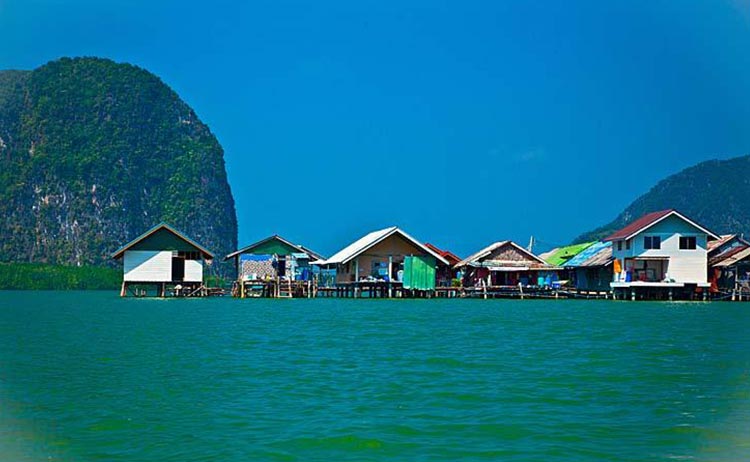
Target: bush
(37, 276)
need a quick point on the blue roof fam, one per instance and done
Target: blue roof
(588, 253)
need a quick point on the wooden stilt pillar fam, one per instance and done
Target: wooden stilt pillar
(123, 290)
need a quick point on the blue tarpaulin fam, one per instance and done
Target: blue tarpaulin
(587, 253)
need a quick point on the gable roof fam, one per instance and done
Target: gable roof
(313, 254)
(716, 246)
(597, 254)
(723, 239)
(491, 248)
(560, 255)
(449, 256)
(119, 252)
(368, 241)
(276, 237)
(737, 257)
(649, 220)
(727, 253)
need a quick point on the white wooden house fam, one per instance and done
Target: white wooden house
(165, 258)
(661, 253)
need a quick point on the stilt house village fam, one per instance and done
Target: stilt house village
(663, 255)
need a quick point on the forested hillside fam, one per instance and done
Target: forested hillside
(93, 153)
(716, 193)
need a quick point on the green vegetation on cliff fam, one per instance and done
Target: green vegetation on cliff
(93, 153)
(715, 193)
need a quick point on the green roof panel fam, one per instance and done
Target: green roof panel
(560, 256)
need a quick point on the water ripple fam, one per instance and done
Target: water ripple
(89, 376)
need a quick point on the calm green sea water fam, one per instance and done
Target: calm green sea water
(90, 376)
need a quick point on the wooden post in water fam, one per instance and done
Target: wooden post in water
(390, 275)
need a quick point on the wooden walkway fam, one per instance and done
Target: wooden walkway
(274, 288)
(277, 288)
(379, 289)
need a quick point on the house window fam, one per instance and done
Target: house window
(627, 245)
(619, 245)
(652, 242)
(687, 243)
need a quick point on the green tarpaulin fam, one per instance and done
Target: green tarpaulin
(419, 273)
(561, 255)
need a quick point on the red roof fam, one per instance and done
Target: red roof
(451, 257)
(649, 220)
(644, 222)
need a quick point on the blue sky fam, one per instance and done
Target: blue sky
(463, 122)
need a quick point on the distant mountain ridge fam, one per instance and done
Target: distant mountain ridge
(715, 193)
(93, 153)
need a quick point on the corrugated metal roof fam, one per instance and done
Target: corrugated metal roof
(651, 219)
(602, 258)
(597, 254)
(482, 253)
(315, 255)
(448, 255)
(362, 244)
(643, 222)
(723, 239)
(492, 247)
(560, 255)
(549, 253)
(723, 248)
(733, 259)
(727, 253)
(118, 253)
(276, 237)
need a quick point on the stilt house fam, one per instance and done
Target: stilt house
(274, 267)
(505, 264)
(389, 258)
(661, 255)
(273, 257)
(729, 266)
(591, 269)
(560, 256)
(164, 259)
